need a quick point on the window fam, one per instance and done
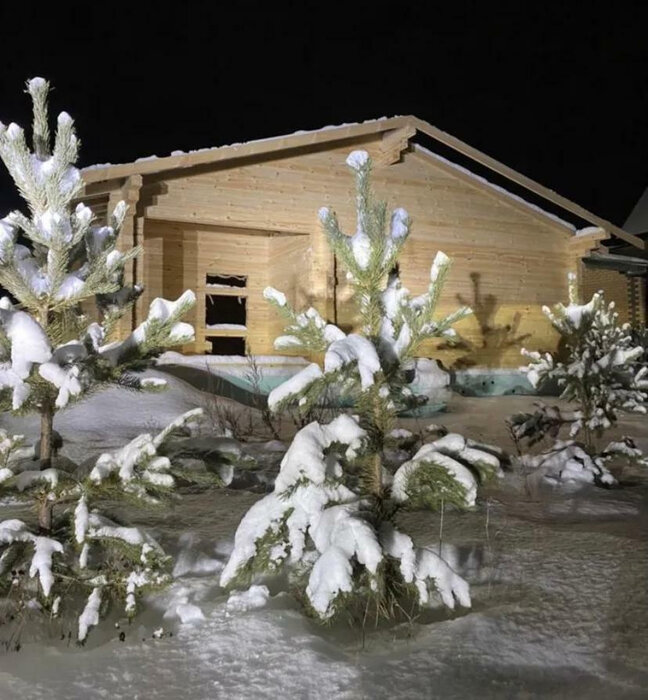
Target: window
(214, 281)
(222, 345)
(225, 313)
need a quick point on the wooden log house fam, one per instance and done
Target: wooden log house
(228, 221)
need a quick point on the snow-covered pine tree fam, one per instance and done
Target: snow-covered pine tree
(331, 517)
(85, 554)
(600, 376)
(53, 258)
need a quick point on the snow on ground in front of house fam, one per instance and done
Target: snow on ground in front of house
(559, 610)
(248, 654)
(560, 602)
(112, 417)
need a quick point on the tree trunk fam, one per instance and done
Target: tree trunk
(47, 422)
(45, 509)
(376, 469)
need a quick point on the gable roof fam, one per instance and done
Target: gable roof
(483, 182)
(332, 134)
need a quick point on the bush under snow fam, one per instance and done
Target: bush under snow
(600, 377)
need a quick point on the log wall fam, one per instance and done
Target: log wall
(627, 294)
(508, 259)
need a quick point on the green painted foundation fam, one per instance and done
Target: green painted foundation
(479, 383)
(495, 382)
(240, 390)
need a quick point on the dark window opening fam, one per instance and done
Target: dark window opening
(226, 346)
(226, 281)
(225, 309)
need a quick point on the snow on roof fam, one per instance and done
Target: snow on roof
(180, 153)
(494, 187)
(591, 230)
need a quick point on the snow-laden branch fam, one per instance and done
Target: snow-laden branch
(447, 470)
(137, 465)
(313, 520)
(12, 531)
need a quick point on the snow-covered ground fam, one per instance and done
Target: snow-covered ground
(559, 583)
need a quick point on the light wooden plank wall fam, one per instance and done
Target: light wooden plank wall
(518, 260)
(178, 256)
(289, 271)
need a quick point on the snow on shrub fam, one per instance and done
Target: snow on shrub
(447, 470)
(600, 376)
(312, 518)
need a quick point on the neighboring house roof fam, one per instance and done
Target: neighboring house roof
(630, 265)
(625, 255)
(409, 125)
(637, 222)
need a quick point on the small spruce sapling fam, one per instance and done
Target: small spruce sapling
(600, 376)
(53, 258)
(331, 517)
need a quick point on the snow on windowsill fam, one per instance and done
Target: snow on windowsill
(215, 285)
(226, 327)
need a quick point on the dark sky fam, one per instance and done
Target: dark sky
(558, 91)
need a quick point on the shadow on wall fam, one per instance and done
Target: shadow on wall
(495, 340)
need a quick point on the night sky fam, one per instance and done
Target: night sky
(557, 91)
